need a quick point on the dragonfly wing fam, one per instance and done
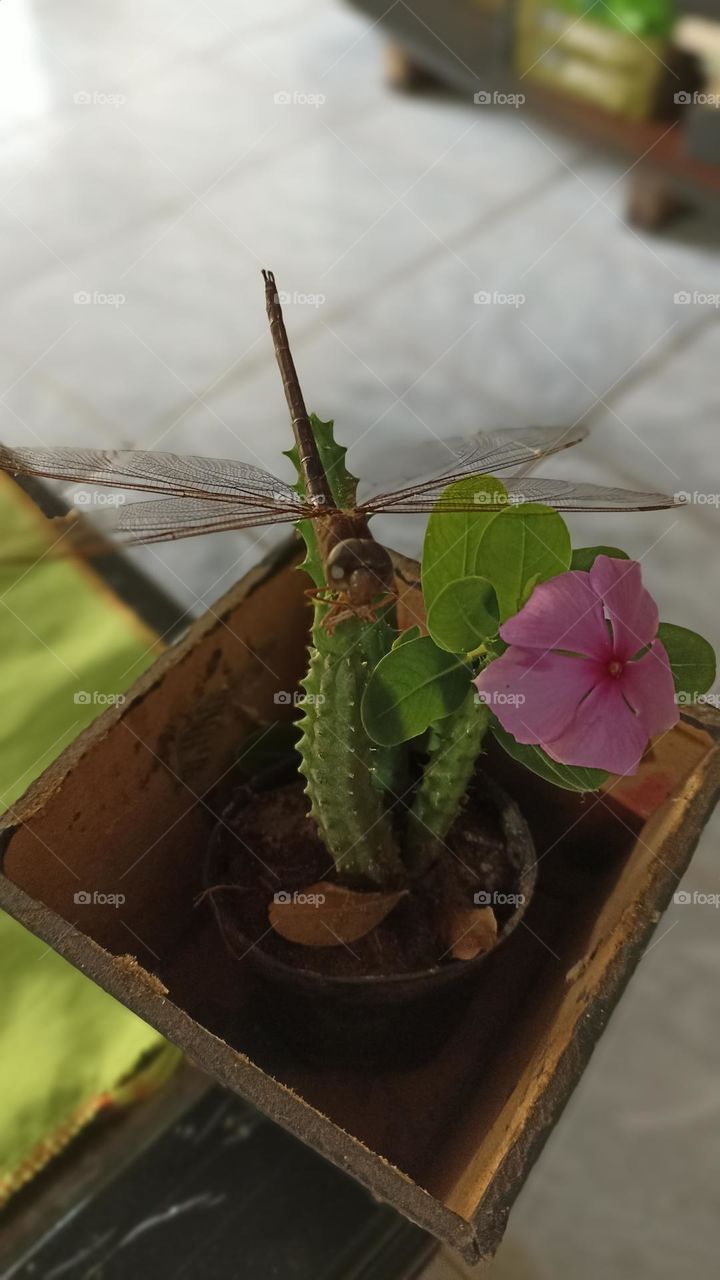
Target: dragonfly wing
(563, 495)
(482, 454)
(167, 519)
(220, 479)
(566, 495)
(137, 524)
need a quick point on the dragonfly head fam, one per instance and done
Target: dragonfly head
(361, 568)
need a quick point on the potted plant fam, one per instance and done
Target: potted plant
(369, 873)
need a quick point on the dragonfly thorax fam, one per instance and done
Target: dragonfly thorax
(361, 568)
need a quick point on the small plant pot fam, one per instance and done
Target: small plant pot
(371, 1020)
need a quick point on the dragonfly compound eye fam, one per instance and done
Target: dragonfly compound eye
(360, 567)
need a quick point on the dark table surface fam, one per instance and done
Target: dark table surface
(220, 1194)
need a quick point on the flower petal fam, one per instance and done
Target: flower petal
(632, 611)
(535, 696)
(604, 734)
(648, 686)
(564, 613)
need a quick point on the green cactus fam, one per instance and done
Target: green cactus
(344, 770)
(453, 748)
(350, 780)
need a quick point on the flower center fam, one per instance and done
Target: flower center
(615, 668)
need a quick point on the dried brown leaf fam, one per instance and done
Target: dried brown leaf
(328, 915)
(471, 931)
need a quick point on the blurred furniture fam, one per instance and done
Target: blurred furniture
(701, 39)
(700, 8)
(558, 47)
(471, 45)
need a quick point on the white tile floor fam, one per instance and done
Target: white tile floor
(143, 154)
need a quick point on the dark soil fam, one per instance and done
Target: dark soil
(267, 843)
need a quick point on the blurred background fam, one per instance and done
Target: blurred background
(481, 214)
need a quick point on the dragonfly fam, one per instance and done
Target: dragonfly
(195, 495)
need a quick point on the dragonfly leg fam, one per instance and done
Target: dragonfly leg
(342, 609)
(321, 595)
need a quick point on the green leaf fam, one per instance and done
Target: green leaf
(525, 542)
(528, 589)
(463, 615)
(569, 777)
(410, 633)
(585, 557)
(692, 659)
(453, 539)
(343, 487)
(411, 687)
(312, 565)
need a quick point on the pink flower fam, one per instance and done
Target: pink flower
(584, 677)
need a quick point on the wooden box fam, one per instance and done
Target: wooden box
(102, 858)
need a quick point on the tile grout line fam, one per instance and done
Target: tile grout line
(645, 369)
